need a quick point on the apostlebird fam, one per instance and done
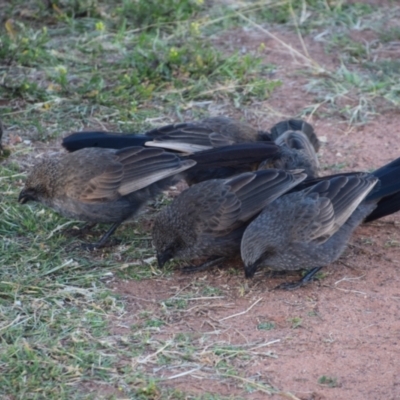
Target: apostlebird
(296, 139)
(310, 228)
(101, 185)
(208, 219)
(190, 137)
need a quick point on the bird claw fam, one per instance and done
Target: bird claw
(192, 268)
(291, 285)
(307, 278)
(90, 246)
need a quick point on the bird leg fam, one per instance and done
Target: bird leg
(88, 226)
(308, 277)
(281, 273)
(208, 264)
(103, 240)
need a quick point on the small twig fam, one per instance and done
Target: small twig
(346, 279)
(351, 291)
(266, 344)
(243, 312)
(255, 384)
(201, 298)
(182, 374)
(298, 30)
(160, 350)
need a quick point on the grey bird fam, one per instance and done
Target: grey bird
(186, 137)
(208, 219)
(102, 185)
(310, 228)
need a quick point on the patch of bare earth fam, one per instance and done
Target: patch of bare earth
(345, 327)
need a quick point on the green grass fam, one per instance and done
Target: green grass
(121, 64)
(328, 381)
(129, 66)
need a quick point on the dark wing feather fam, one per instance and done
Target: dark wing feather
(267, 186)
(328, 205)
(130, 170)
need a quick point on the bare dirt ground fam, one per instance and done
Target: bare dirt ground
(345, 327)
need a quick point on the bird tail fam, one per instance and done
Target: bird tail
(108, 140)
(387, 193)
(295, 125)
(235, 155)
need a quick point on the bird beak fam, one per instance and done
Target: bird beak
(163, 258)
(250, 270)
(24, 197)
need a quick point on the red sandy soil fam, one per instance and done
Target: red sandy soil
(348, 322)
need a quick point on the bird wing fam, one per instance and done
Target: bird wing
(102, 187)
(315, 219)
(144, 167)
(325, 207)
(243, 197)
(229, 131)
(132, 169)
(266, 186)
(202, 135)
(185, 137)
(212, 207)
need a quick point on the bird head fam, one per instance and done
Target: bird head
(250, 270)
(27, 194)
(42, 181)
(164, 256)
(167, 238)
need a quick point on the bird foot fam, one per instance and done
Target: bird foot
(291, 285)
(89, 246)
(307, 278)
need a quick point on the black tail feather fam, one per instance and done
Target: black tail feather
(387, 194)
(386, 206)
(389, 177)
(223, 162)
(108, 140)
(236, 154)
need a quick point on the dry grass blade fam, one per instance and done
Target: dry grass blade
(241, 313)
(309, 62)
